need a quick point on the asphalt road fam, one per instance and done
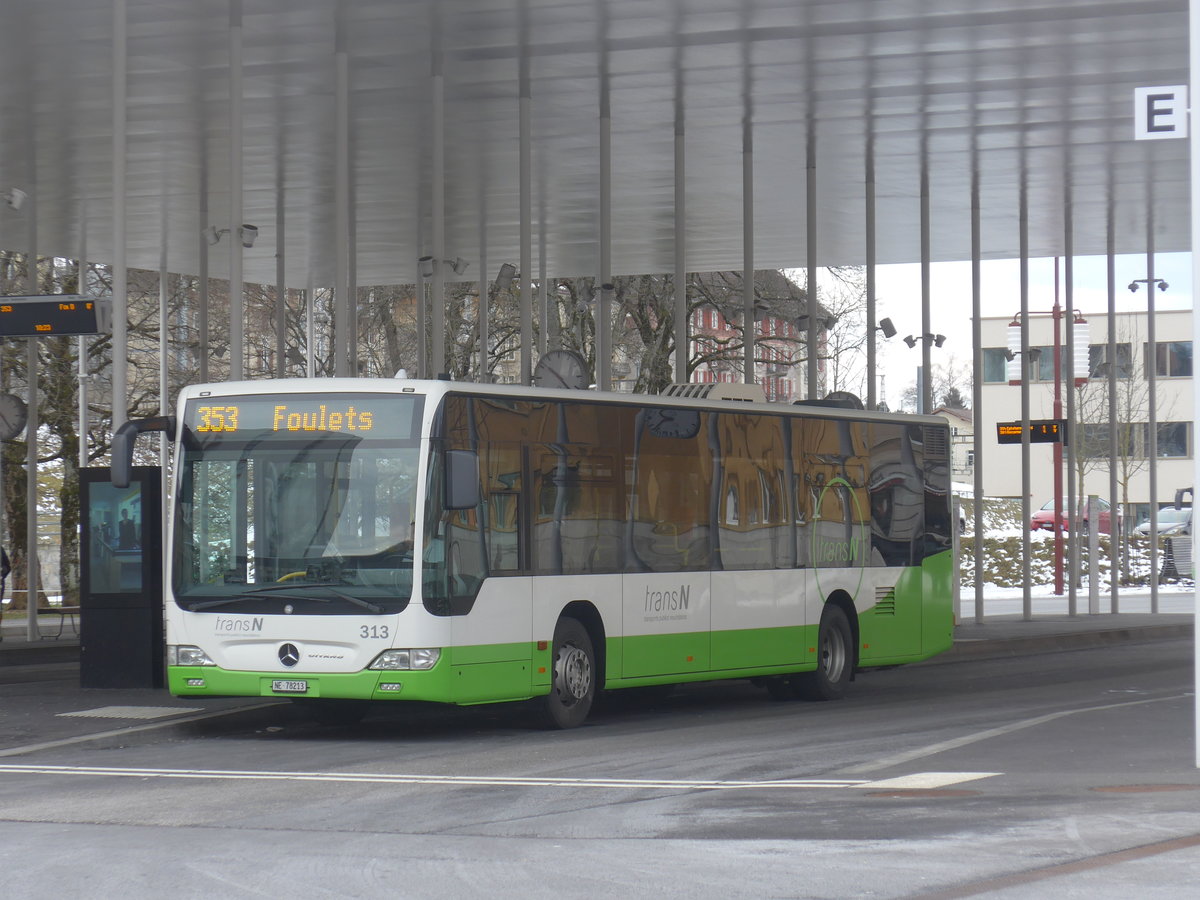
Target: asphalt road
(1069, 773)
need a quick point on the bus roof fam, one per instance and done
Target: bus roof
(436, 389)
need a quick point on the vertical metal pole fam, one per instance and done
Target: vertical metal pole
(343, 302)
(1073, 547)
(604, 306)
(1056, 450)
(485, 295)
(280, 279)
(1026, 548)
(977, 381)
(310, 324)
(872, 327)
(1152, 402)
(31, 434)
(526, 144)
(543, 334)
(163, 388)
(203, 351)
(926, 328)
(31, 475)
(813, 389)
(438, 189)
(682, 347)
(1194, 68)
(237, 366)
(120, 286)
(1114, 539)
(83, 346)
(748, 318)
(422, 354)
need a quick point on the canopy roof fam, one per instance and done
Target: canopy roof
(1030, 95)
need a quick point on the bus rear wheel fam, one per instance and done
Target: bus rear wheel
(573, 679)
(835, 659)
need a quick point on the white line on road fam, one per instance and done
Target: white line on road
(920, 780)
(955, 743)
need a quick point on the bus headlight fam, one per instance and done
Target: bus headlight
(187, 655)
(408, 659)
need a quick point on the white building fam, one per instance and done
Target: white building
(1173, 383)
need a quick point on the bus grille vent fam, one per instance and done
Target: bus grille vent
(937, 443)
(885, 601)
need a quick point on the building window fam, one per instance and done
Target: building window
(1174, 359)
(995, 366)
(1174, 439)
(1098, 357)
(1094, 437)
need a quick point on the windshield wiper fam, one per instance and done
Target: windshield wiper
(291, 592)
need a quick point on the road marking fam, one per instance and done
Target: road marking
(133, 712)
(955, 743)
(920, 780)
(926, 780)
(131, 729)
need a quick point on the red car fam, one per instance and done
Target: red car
(1044, 517)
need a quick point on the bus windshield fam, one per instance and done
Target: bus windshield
(307, 519)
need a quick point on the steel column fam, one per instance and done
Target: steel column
(120, 284)
(748, 323)
(343, 301)
(682, 348)
(237, 367)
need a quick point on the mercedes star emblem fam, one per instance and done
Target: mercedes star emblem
(289, 655)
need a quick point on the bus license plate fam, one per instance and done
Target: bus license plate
(290, 687)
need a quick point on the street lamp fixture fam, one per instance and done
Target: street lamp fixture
(930, 339)
(1133, 285)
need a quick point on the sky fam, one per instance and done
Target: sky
(898, 292)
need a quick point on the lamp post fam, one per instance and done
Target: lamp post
(1080, 343)
(926, 386)
(1152, 401)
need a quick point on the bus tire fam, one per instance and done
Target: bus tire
(835, 658)
(573, 678)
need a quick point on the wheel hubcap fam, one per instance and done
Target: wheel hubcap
(573, 673)
(833, 657)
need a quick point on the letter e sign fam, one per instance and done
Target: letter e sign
(1160, 112)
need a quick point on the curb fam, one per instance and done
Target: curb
(986, 648)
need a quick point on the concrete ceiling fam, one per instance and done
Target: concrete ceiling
(1032, 94)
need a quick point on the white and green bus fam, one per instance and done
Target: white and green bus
(341, 541)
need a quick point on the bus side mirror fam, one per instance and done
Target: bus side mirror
(462, 479)
(123, 440)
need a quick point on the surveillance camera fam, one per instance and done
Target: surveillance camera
(249, 234)
(426, 264)
(15, 198)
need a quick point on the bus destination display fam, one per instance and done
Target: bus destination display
(1041, 431)
(362, 415)
(52, 314)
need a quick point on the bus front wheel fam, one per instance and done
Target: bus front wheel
(573, 682)
(835, 659)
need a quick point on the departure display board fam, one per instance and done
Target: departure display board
(1041, 431)
(49, 315)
